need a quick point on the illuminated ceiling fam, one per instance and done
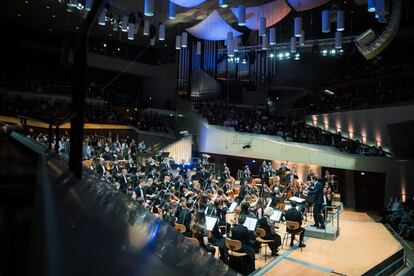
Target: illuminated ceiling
(273, 11)
(212, 28)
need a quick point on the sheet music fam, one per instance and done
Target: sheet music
(233, 207)
(210, 222)
(276, 216)
(297, 199)
(250, 223)
(268, 204)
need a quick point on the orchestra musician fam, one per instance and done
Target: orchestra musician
(198, 228)
(100, 168)
(184, 216)
(282, 172)
(247, 239)
(123, 181)
(246, 175)
(295, 215)
(270, 230)
(226, 175)
(140, 190)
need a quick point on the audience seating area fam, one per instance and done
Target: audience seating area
(359, 94)
(45, 109)
(261, 121)
(400, 216)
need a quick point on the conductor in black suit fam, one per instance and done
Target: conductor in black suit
(241, 233)
(317, 193)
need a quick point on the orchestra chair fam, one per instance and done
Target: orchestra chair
(222, 228)
(194, 241)
(233, 246)
(292, 227)
(261, 233)
(180, 228)
(280, 206)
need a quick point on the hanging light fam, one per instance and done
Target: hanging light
(161, 32)
(264, 42)
(371, 5)
(146, 27)
(230, 50)
(242, 15)
(101, 20)
(262, 26)
(302, 38)
(293, 48)
(171, 10)
(229, 39)
(152, 41)
(380, 11)
(73, 3)
(338, 40)
(149, 7)
(230, 44)
(236, 44)
(223, 3)
(340, 21)
(131, 31)
(298, 26)
(198, 47)
(178, 42)
(326, 24)
(88, 5)
(124, 23)
(272, 36)
(184, 37)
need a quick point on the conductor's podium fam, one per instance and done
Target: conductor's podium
(331, 231)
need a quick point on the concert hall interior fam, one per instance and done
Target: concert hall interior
(207, 137)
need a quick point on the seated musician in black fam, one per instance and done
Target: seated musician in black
(168, 214)
(294, 215)
(241, 233)
(270, 230)
(184, 216)
(198, 228)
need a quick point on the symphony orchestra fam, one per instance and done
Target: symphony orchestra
(188, 195)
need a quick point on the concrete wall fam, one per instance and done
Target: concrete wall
(368, 125)
(225, 141)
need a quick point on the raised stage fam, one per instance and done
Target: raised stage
(363, 247)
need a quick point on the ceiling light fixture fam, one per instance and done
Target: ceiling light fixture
(171, 10)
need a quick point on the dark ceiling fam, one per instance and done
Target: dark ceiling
(51, 16)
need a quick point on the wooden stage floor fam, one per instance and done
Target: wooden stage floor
(361, 245)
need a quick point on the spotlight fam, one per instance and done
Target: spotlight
(362, 173)
(297, 56)
(271, 55)
(280, 56)
(104, 45)
(324, 52)
(333, 52)
(287, 54)
(244, 61)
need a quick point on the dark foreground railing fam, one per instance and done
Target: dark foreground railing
(86, 227)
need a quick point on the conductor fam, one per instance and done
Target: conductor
(317, 193)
